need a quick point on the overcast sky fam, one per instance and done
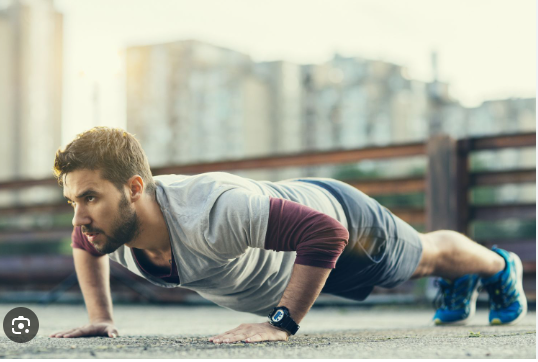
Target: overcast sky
(487, 49)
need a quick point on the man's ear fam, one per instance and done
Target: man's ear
(136, 187)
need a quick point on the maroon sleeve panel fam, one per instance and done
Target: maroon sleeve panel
(80, 241)
(318, 238)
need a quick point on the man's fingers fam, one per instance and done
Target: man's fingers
(76, 333)
(99, 329)
(250, 333)
(229, 337)
(224, 338)
(234, 338)
(81, 331)
(211, 339)
(258, 337)
(60, 334)
(221, 336)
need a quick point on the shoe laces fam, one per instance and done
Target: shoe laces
(502, 293)
(448, 296)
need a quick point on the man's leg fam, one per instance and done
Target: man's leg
(460, 263)
(450, 255)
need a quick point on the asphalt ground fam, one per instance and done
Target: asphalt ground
(154, 331)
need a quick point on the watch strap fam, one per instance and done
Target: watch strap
(289, 325)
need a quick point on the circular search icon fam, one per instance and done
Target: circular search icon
(21, 325)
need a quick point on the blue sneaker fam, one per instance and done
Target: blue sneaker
(458, 300)
(507, 301)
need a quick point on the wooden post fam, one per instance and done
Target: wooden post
(446, 189)
(445, 208)
(463, 185)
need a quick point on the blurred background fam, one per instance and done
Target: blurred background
(427, 106)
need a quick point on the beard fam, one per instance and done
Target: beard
(125, 228)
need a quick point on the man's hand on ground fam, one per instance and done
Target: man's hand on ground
(253, 332)
(94, 329)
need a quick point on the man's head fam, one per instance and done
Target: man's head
(104, 171)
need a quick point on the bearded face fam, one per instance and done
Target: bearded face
(103, 213)
(123, 230)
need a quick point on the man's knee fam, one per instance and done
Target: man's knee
(436, 248)
(431, 252)
(441, 237)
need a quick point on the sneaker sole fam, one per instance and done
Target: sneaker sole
(523, 298)
(465, 321)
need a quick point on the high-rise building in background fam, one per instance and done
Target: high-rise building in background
(354, 102)
(192, 102)
(283, 84)
(30, 88)
(503, 116)
(189, 101)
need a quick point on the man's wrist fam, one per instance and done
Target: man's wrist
(281, 318)
(280, 329)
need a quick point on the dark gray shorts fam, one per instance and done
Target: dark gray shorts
(383, 250)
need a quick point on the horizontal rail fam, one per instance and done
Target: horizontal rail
(500, 212)
(502, 177)
(56, 208)
(390, 186)
(505, 241)
(279, 161)
(504, 141)
(36, 267)
(312, 158)
(301, 160)
(34, 235)
(22, 184)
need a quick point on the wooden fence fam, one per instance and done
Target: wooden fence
(447, 184)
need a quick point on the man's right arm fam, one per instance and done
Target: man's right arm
(93, 273)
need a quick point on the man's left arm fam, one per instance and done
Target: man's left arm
(318, 240)
(304, 287)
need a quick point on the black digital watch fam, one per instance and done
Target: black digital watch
(280, 317)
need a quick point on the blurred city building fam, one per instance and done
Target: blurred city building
(352, 102)
(31, 87)
(31, 91)
(189, 101)
(282, 81)
(355, 102)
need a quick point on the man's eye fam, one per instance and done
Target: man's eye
(88, 198)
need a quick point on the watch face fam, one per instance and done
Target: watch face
(277, 317)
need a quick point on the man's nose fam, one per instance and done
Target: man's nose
(80, 216)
